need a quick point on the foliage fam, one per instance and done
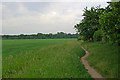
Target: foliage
(107, 20)
(80, 38)
(110, 22)
(98, 35)
(89, 23)
(59, 35)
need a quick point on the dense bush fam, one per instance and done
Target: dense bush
(98, 35)
(106, 19)
(110, 22)
(80, 38)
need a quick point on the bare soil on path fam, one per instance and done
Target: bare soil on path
(91, 70)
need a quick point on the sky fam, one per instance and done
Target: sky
(43, 17)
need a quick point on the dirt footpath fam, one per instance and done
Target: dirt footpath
(91, 70)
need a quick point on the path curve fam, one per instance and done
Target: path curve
(91, 70)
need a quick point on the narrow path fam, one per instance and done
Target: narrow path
(91, 70)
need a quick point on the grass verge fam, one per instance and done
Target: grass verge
(103, 57)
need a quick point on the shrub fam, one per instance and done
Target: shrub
(98, 35)
(80, 38)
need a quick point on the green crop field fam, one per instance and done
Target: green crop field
(42, 58)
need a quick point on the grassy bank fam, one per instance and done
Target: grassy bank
(60, 60)
(103, 57)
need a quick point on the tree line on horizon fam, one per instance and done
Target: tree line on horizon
(59, 35)
(100, 22)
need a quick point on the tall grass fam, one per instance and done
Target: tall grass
(54, 61)
(0, 57)
(103, 57)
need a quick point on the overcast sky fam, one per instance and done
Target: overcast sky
(43, 17)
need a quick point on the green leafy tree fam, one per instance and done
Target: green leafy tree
(98, 35)
(110, 22)
(41, 36)
(90, 22)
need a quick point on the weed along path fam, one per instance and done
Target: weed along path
(91, 70)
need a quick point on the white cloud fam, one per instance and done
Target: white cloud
(54, 17)
(1, 19)
(57, 0)
(22, 9)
